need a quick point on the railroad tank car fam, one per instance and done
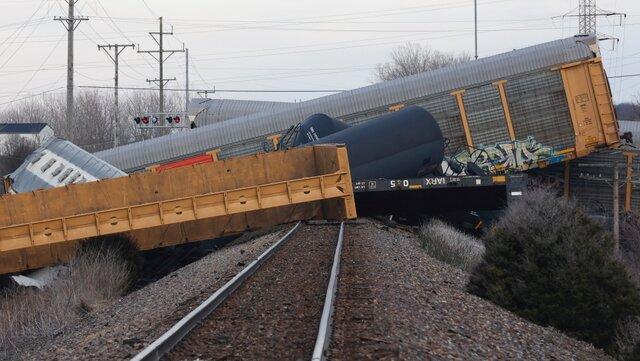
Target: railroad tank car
(402, 144)
(313, 128)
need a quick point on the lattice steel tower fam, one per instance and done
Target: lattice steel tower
(587, 14)
(587, 17)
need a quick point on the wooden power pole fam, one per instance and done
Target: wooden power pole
(70, 23)
(117, 49)
(159, 55)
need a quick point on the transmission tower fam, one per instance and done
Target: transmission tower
(587, 14)
(158, 37)
(70, 23)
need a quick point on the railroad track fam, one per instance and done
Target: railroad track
(279, 306)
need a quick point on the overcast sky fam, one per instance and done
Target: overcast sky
(285, 44)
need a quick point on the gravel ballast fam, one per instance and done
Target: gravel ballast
(275, 314)
(123, 329)
(396, 302)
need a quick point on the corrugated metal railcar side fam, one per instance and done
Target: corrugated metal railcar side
(553, 97)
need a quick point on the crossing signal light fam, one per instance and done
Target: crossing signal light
(154, 120)
(145, 120)
(169, 120)
(137, 120)
(176, 119)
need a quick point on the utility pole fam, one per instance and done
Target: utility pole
(70, 23)
(161, 81)
(614, 183)
(616, 206)
(475, 19)
(186, 94)
(117, 49)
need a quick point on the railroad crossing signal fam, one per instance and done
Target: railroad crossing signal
(160, 120)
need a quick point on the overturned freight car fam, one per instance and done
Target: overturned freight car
(509, 112)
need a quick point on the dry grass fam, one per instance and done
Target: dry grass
(98, 275)
(451, 246)
(628, 339)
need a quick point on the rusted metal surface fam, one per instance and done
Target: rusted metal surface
(176, 206)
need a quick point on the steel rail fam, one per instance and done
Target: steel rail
(176, 333)
(326, 321)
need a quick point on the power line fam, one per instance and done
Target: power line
(19, 30)
(224, 90)
(21, 44)
(116, 27)
(31, 96)
(624, 76)
(41, 66)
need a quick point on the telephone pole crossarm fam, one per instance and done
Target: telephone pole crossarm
(159, 56)
(117, 50)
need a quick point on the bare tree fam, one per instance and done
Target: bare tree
(412, 58)
(92, 125)
(13, 152)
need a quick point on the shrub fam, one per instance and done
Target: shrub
(547, 261)
(451, 246)
(627, 339)
(97, 275)
(629, 253)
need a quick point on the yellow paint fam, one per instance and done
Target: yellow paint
(629, 182)
(505, 108)
(275, 140)
(590, 106)
(203, 201)
(463, 116)
(396, 107)
(499, 179)
(215, 154)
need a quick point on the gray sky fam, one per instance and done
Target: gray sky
(290, 44)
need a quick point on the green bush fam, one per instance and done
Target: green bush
(548, 262)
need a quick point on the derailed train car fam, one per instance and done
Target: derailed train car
(509, 112)
(404, 144)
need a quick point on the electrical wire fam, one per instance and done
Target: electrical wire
(32, 96)
(223, 90)
(22, 43)
(104, 10)
(21, 27)
(46, 59)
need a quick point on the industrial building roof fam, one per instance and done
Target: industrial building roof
(21, 128)
(135, 156)
(59, 162)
